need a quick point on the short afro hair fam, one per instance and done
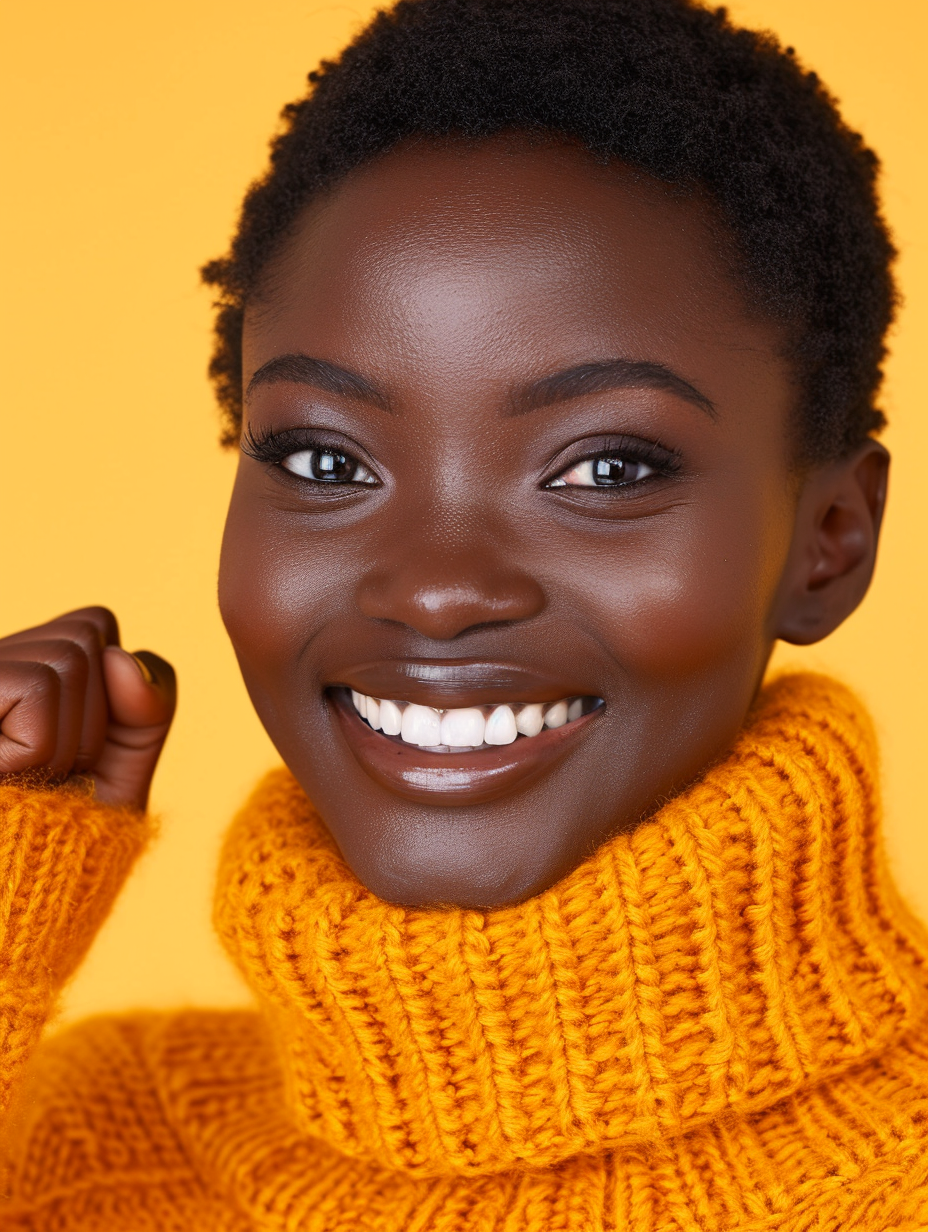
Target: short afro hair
(666, 86)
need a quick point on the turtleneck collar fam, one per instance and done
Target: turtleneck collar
(744, 942)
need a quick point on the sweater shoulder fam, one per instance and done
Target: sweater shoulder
(92, 1137)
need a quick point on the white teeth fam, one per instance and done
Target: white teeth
(501, 726)
(556, 715)
(530, 719)
(391, 718)
(463, 728)
(472, 727)
(421, 725)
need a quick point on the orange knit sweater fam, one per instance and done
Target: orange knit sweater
(716, 1022)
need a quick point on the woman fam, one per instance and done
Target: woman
(551, 341)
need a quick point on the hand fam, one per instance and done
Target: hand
(72, 702)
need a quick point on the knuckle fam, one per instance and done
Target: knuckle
(84, 633)
(34, 680)
(43, 683)
(94, 627)
(66, 656)
(28, 731)
(45, 678)
(101, 619)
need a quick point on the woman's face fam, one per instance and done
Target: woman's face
(519, 442)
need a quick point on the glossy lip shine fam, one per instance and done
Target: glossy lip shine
(468, 777)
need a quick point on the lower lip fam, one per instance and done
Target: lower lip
(454, 778)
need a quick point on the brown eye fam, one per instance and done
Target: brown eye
(327, 466)
(604, 472)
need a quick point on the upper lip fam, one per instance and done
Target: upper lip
(450, 683)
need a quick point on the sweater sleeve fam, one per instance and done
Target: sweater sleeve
(63, 859)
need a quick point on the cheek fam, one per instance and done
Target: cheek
(273, 589)
(689, 596)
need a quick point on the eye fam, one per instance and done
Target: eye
(327, 466)
(606, 471)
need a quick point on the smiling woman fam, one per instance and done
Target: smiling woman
(506, 314)
(551, 348)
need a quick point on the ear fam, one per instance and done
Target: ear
(833, 552)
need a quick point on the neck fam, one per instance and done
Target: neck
(744, 942)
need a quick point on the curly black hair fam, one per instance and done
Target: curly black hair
(666, 86)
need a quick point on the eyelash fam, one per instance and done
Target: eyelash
(662, 460)
(272, 448)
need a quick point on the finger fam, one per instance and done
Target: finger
(70, 664)
(89, 634)
(29, 699)
(141, 688)
(142, 693)
(91, 628)
(101, 619)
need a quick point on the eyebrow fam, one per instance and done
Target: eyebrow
(594, 378)
(304, 370)
(591, 378)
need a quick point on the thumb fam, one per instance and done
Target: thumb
(141, 691)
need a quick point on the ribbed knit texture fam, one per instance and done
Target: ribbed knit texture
(717, 1022)
(63, 858)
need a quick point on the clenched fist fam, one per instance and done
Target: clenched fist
(72, 702)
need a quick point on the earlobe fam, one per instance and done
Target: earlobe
(833, 552)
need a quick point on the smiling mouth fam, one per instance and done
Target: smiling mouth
(469, 729)
(417, 762)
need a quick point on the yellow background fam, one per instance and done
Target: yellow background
(133, 129)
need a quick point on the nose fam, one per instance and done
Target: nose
(441, 591)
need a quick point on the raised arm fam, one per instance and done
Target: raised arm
(82, 723)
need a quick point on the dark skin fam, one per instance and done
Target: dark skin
(466, 327)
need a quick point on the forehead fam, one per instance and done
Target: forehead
(482, 260)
